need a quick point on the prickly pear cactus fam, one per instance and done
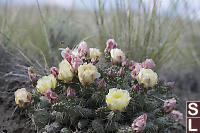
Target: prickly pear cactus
(92, 93)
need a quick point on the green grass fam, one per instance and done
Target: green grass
(38, 32)
(142, 34)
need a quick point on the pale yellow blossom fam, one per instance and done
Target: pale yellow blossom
(87, 73)
(94, 53)
(22, 97)
(46, 82)
(117, 99)
(147, 77)
(117, 56)
(66, 72)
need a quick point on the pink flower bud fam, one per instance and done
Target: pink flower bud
(101, 84)
(131, 65)
(51, 96)
(111, 73)
(125, 63)
(94, 60)
(110, 44)
(148, 64)
(161, 80)
(170, 84)
(169, 105)
(136, 71)
(121, 72)
(70, 93)
(75, 62)
(177, 116)
(69, 58)
(54, 71)
(83, 50)
(32, 75)
(135, 87)
(139, 124)
(66, 52)
(33, 78)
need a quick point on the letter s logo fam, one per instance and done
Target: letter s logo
(193, 108)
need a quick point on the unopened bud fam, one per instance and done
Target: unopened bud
(94, 60)
(161, 80)
(32, 75)
(131, 65)
(136, 70)
(54, 72)
(51, 96)
(125, 63)
(170, 84)
(135, 87)
(148, 64)
(83, 50)
(169, 105)
(66, 52)
(101, 84)
(70, 93)
(177, 116)
(75, 62)
(121, 72)
(110, 44)
(111, 73)
(139, 124)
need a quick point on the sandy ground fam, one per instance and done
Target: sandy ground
(12, 77)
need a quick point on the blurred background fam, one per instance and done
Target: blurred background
(31, 31)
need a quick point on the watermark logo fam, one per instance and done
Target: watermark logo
(193, 117)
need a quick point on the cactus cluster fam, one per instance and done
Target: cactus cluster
(85, 95)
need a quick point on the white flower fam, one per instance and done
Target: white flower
(117, 56)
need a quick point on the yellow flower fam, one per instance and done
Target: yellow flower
(117, 56)
(87, 73)
(117, 99)
(94, 53)
(22, 97)
(46, 82)
(66, 72)
(147, 77)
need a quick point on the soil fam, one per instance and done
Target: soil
(14, 75)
